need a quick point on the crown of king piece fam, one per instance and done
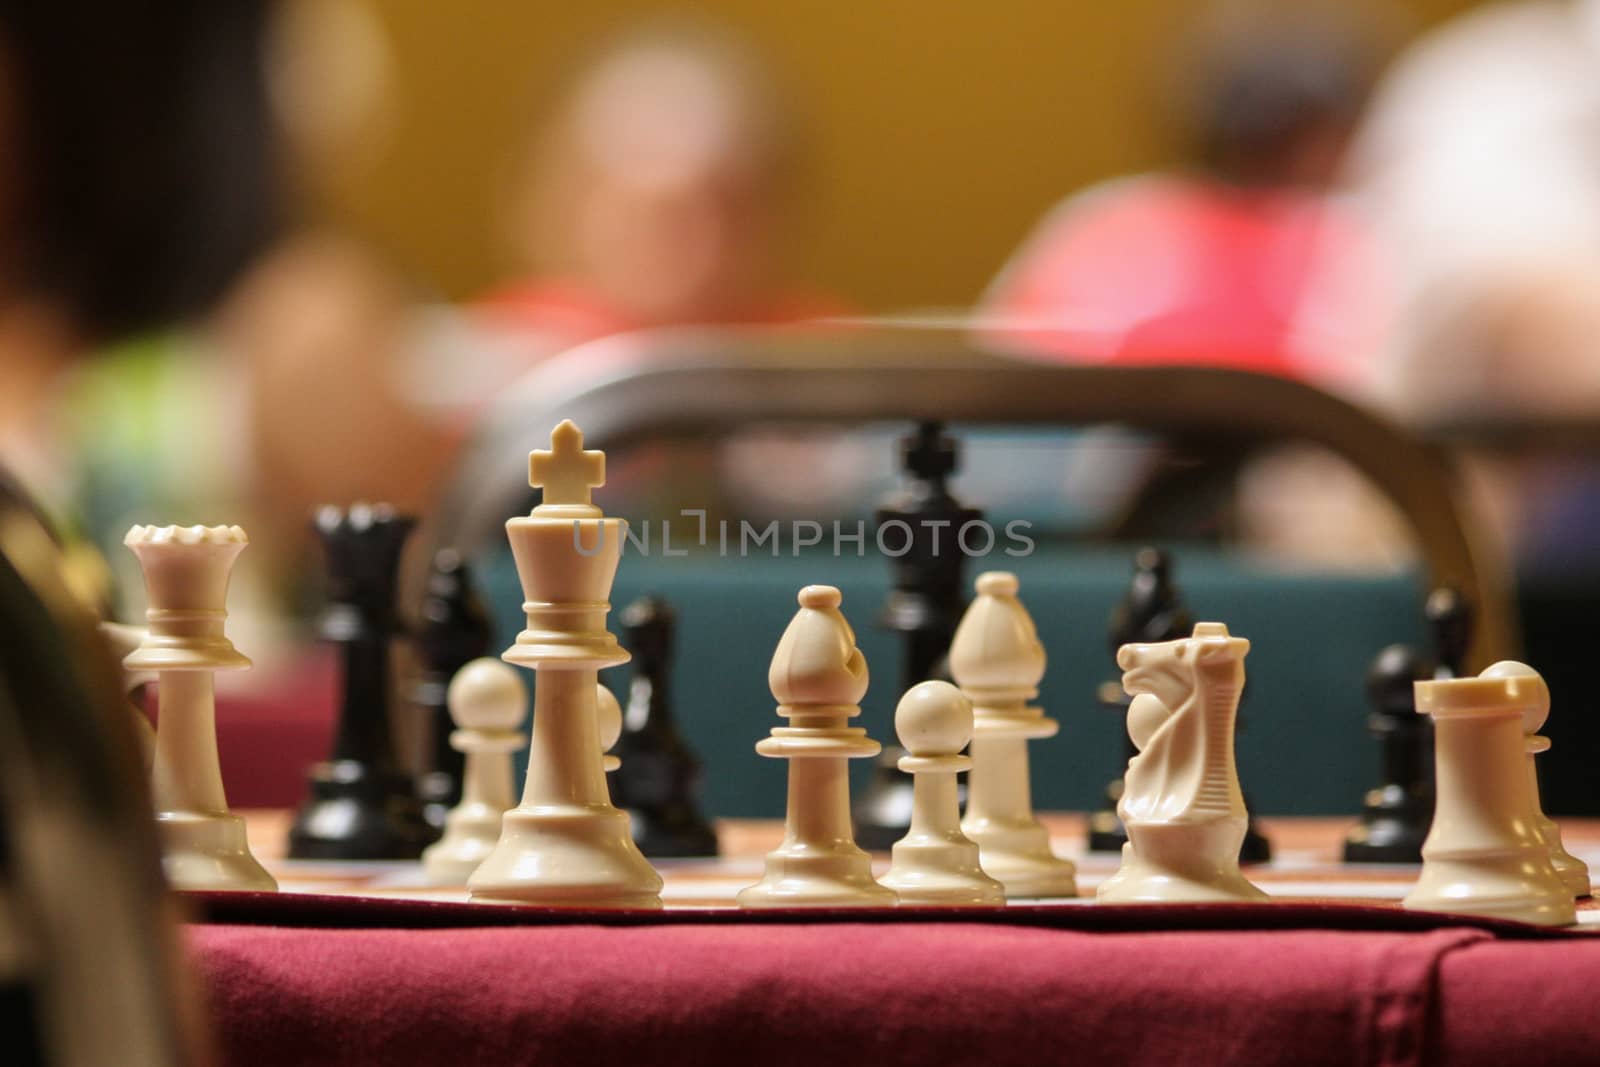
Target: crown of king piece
(567, 471)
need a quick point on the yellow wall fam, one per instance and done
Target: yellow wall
(939, 129)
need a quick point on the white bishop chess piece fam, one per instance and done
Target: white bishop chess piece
(1181, 802)
(1486, 853)
(818, 677)
(566, 845)
(997, 660)
(935, 863)
(487, 703)
(186, 572)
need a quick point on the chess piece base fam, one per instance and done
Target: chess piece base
(882, 815)
(1187, 862)
(1394, 824)
(356, 813)
(471, 832)
(839, 879)
(938, 871)
(208, 851)
(1573, 872)
(1503, 884)
(1018, 856)
(672, 834)
(566, 857)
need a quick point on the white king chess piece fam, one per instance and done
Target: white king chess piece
(818, 677)
(998, 660)
(186, 583)
(487, 703)
(1486, 854)
(1181, 804)
(566, 845)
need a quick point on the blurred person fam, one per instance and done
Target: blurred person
(136, 181)
(1216, 260)
(656, 196)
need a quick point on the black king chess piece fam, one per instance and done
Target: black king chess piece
(1152, 611)
(360, 806)
(924, 606)
(658, 784)
(452, 630)
(1396, 816)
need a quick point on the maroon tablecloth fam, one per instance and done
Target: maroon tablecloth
(1327, 984)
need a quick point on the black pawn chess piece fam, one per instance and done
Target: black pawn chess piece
(1395, 816)
(360, 806)
(924, 606)
(453, 630)
(658, 783)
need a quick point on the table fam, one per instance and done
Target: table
(412, 978)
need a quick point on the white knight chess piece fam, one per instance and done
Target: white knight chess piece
(1182, 806)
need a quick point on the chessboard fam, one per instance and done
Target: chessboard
(1305, 868)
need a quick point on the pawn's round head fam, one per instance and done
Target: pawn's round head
(933, 719)
(487, 694)
(609, 716)
(1537, 708)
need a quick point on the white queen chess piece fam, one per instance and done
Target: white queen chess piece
(1485, 854)
(1181, 803)
(818, 677)
(566, 845)
(186, 572)
(935, 863)
(998, 660)
(487, 703)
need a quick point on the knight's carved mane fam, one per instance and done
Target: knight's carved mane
(1186, 768)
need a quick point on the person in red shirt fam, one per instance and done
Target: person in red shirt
(1225, 261)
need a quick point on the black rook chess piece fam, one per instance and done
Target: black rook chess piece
(452, 631)
(360, 806)
(658, 783)
(924, 605)
(1395, 816)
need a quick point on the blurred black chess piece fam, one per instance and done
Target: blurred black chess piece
(1396, 816)
(452, 631)
(360, 806)
(658, 784)
(924, 606)
(1152, 611)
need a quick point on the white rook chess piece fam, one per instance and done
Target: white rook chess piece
(487, 703)
(1181, 802)
(997, 661)
(1485, 854)
(935, 863)
(818, 677)
(1573, 871)
(186, 584)
(566, 845)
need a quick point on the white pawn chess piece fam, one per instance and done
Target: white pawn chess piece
(997, 660)
(1573, 871)
(566, 844)
(818, 677)
(487, 703)
(1485, 854)
(608, 721)
(1181, 801)
(186, 583)
(935, 863)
